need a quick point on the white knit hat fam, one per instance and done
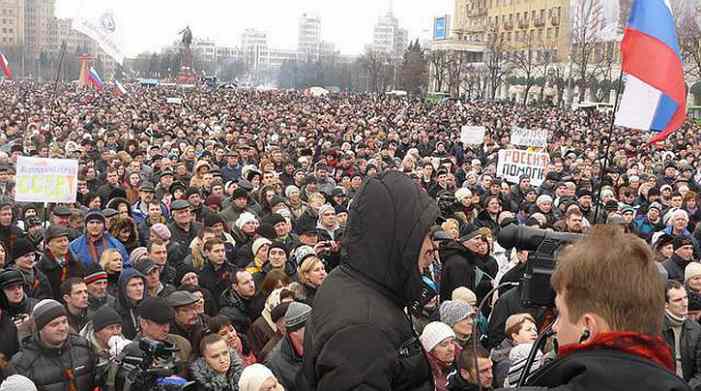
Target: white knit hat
(543, 198)
(258, 243)
(692, 270)
(17, 383)
(246, 217)
(435, 333)
(291, 189)
(462, 193)
(253, 376)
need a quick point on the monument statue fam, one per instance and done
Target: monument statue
(186, 74)
(187, 37)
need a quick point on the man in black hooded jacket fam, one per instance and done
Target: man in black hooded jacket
(359, 336)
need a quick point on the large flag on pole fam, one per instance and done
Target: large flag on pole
(655, 94)
(5, 66)
(104, 27)
(95, 79)
(119, 88)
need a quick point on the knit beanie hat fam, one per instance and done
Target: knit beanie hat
(462, 193)
(246, 217)
(17, 383)
(296, 316)
(543, 198)
(137, 254)
(105, 316)
(681, 241)
(464, 294)
(693, 269)
(9, 277)
(291, 189)
(253, 376)
(454, 311)
(181, 271)
(212, 219)
(161, 230)
(325, 208)
(280, 245)
(302, 253)
(21, 248)
(45, 311)
(435, 333)
(93, 273)
(258, 243)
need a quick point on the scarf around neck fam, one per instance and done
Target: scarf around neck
(648, 347)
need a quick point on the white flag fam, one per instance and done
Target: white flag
(105, 29)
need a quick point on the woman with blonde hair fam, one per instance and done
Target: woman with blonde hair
(311, 274)
(112, 263)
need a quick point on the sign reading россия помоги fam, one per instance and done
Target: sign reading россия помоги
(513, 163)
(46, 180)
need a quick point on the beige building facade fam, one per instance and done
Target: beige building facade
(11, 23)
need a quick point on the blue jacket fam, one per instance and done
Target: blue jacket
(79, 248)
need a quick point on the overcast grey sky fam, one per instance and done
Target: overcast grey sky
(152, 24)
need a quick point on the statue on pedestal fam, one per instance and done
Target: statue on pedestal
(186, 74)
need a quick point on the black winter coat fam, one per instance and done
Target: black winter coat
(690, 343)
(358, 336)
(605, 370)
(285, 363)
(46, 366)
(216, 281)
(237, 310)
(47, 264)
(458, 269)
(507, 305)
(675, 267)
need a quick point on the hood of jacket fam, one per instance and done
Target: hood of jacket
(124, 277)
(389, 219)
(204, 375)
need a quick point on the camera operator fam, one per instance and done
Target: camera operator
(155, 316)
(609, 296)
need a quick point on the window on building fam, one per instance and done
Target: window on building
(557, 32)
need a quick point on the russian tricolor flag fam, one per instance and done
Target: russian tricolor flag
(119, 90)
(95, 79)
(5, 66)
(655, 94)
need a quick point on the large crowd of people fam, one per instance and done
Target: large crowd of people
(203, 232)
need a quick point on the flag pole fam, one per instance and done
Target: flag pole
(607, 142)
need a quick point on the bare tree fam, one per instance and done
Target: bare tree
(457, 62)
(496, 58)
(588, 47)
(439, 66)
(526, 61)
(690, 44)
(374, 61)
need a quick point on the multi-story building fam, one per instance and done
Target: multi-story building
(38, 15)
(309, 37)
(254, 48)
(388, 37)
(276, 57)
(11, 23)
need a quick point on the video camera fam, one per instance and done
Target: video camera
(158, 363)
(543, 247)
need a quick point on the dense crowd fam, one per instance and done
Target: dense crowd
(209, 225)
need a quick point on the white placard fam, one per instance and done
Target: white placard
(46, 180)
(472, 135)
(529, 137)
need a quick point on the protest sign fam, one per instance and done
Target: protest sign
(514, 162)
(46, 180)
(472, 135)
(529, 137)
(174, 101)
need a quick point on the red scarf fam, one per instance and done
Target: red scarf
(652, 348)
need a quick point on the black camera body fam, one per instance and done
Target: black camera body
(543, 247)
(142, 374)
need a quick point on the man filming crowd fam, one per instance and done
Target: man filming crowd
(251, 241)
